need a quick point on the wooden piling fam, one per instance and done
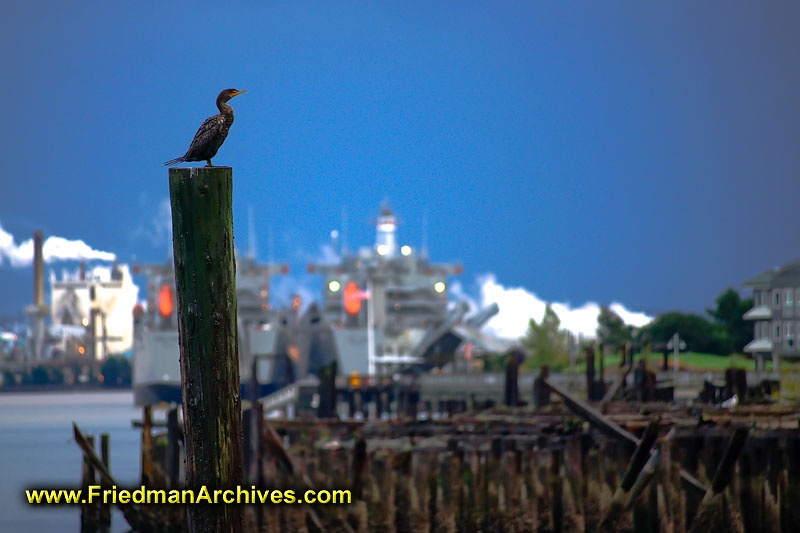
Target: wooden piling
(88, 515)
(146, 470)
(615, 515)
(202, 231)
(173, 448)
(136, 517)
(105, 508)
(713, 512)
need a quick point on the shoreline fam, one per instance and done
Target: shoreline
(93, 387)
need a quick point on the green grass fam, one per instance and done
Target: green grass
(687, 360)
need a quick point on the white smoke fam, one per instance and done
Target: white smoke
(155, 228)
(518, 306)
(54, 249)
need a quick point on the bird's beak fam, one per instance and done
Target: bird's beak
(237, 93)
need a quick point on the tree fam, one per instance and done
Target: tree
(730, 315)
(700, 334)
(116, 372)
(40, 376)
(611, 330)
(547, 341)
(9, 380)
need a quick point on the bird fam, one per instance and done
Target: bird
(212, 132)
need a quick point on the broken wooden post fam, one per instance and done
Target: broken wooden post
(146, 470)
(327, 390)
(711, 513)
(541, 393)
(615, 387)
(612, 429)
(105, 508)
(173, 449)
(612, 521)
(88, 515)
(133, 514)
(511, 392)
(202, 236)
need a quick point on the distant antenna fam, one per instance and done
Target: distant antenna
(270, 245)
(344, 231)
(425, 233)
(251, 233)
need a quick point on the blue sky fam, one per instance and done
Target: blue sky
(644, 153)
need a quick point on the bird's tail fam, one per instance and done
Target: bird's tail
(175, 161)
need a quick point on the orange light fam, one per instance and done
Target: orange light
(297, 302)
(294, 352)
(81, 350)
(355, 380)
(166, 303)
(352, 302)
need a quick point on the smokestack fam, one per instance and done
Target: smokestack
(83, 270)
(38, 268)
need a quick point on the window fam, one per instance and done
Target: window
(777, 332)
(776, 298)
(789, 329)
(787, 297)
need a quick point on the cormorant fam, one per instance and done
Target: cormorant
(212, 132)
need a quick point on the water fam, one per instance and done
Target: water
(37, 451)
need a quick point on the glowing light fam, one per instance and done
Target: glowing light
(166, 303)
(294, 352)
(352, 303)
(439, 286)
(383, 249)
(334, 286)
(405, 250)
(85, 321)
(81, 350)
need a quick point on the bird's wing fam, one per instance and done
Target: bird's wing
(210, 132)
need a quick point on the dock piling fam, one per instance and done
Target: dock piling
(202, 232)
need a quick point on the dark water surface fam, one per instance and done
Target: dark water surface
(37, 450)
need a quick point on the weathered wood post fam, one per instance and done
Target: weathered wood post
(146, 475)
(105, 508)
(88, 511)
(173, 448)
(202, 235)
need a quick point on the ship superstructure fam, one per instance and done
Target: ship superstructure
(384, 301)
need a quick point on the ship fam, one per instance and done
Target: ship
(384, 309)
(156, 366)
(385, 304)
(386, 316)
